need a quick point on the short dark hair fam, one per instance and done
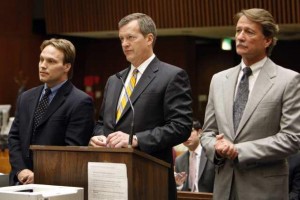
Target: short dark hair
(196, 125)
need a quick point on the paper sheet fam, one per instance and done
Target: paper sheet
(107, 181)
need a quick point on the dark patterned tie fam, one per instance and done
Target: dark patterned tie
(241, 98)
(41, 109)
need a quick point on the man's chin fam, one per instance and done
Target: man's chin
(129, 59)
(43, 80)
(186, 144)
(241, 51)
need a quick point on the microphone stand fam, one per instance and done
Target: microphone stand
(132, 108)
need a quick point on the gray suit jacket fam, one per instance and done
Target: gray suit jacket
(206, 173)
(268, 133)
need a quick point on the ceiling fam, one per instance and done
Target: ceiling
(287, 32)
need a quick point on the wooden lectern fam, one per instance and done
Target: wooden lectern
(67, 166)
(182, 195)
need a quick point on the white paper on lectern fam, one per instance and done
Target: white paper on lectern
(107, 181)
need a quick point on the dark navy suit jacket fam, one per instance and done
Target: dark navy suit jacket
(67, 121)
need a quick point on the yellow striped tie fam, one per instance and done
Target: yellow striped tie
(129, 90)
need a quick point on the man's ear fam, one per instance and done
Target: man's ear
(67, 67)
(150, 38)
(268, 42)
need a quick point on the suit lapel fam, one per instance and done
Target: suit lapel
(32, 104)
(186, 169)
(144, 81)
(202, 164)
(228, 95)
(262, 85)
(58, 99)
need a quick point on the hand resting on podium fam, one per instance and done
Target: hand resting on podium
(117, 139)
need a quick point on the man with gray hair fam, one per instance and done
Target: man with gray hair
(252, 116)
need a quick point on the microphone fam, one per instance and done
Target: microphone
(132, 108)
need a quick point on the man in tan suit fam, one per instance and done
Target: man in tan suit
(252, 116)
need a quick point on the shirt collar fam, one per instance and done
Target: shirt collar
(256, 66)
(55, 88)
(197, 150)
(144, 65)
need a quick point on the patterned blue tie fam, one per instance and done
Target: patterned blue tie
(241, 98)
(41, 109)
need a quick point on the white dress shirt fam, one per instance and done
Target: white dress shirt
(256, 68)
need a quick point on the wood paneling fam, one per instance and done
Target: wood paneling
(95, 15)
(4, 160)
(19, 48)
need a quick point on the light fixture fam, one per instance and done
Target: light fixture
(226, 44)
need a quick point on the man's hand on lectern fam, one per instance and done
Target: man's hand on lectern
(98, 141)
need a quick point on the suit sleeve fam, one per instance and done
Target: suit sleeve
(81, 123)
(177, 165)
(177, 117)
(14, 144)
(98, 129)
(210, 126)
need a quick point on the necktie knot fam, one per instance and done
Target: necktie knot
(194, 154)
(135, 71)
(247, 71)
(134, 77)
(47, 92)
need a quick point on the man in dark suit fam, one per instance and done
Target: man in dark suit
(64, 118)
(204, 171)
(161, 98)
